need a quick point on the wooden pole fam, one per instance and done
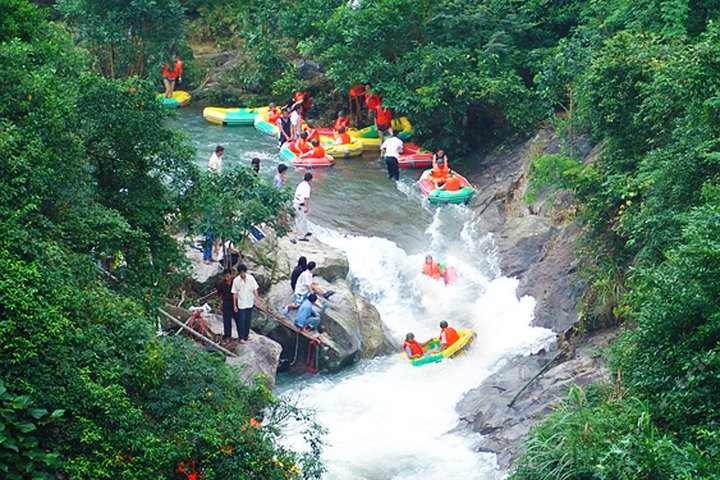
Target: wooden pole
(542, 370)
(198, 335)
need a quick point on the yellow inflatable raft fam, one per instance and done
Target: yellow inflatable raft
(370, 139)
(467, 337)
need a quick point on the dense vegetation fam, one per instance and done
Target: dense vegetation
(90, 182)
(640, 79)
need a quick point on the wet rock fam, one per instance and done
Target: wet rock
(258, 356)
(485, 409)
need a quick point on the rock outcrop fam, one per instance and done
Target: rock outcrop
(536, 243)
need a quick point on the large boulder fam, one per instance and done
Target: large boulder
(260, 355)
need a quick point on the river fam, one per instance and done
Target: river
(386, 419)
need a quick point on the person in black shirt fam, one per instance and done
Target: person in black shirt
(224, 293)
(299, 268)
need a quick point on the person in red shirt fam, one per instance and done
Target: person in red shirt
(440, 168)
(301, 145)
(312, 133)
(357, 101)
(172, 71)
(452, 183)
(273, 114)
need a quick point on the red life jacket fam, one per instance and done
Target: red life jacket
(383, 116)
(432, 269)
(451, 335)
(438, 171)
(357, 91)
(415, 347)
(344, 137)
(341, 122)
(172, 73)
(300, 146)
(303, 97)
(372, 102)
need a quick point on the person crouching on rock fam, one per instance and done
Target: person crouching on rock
(307, 317)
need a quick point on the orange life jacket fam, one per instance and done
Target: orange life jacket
(272, 116)
(451, 335)
(372, 102)
(438, 171)
(312, 134)
(300, 146)
(318, 152)
(452, 183)
(303, 97)
(341, 122)
(432, 269)
(383, 116)
(415, 347)
(344, 137)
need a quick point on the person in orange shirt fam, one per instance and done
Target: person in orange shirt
(342, 137)
(301, 145)
(172, 71)
(341, 122)
(312, 133)
(432, 269)
(448, 335)
(413, 348)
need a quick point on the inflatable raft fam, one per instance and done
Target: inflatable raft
(414, 156)
(287, 155)
(440, 195)
(346, 150)
(180, 98)
(263, 125)
(467, 337)
(230, 116)
(369, 138)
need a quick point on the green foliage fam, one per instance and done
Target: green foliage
(90, 181)
(126, 38)
(21, 454)
(554, 169)
(602, 434)
(227, 205)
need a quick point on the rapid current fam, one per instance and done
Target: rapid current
(386, 419)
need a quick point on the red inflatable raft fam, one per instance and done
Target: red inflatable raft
(414, 156)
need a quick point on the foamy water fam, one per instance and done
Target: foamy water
(387, 419)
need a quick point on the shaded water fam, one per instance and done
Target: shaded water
(386, 419)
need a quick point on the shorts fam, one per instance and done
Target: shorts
(383, 128)
(300, 297)
(170, 79)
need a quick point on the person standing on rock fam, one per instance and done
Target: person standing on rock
(301, 203)
(224, 293)
(245, 295)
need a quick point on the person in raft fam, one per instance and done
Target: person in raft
(452, 183)
(342, 137)
(273, 114)
(341, 122)
(413, 348)
(448, 335)
(307, 317)
(312, 133)
(440, 168)
(433, 269)
(301, 145)
(317, 151)
(172, 71)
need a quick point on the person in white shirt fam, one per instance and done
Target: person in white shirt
(305, 286)
(215, 162)
(301, 204)
(245, 294)
(390, 149)
(295, 122)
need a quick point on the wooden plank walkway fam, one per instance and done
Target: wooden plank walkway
(286, 322)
